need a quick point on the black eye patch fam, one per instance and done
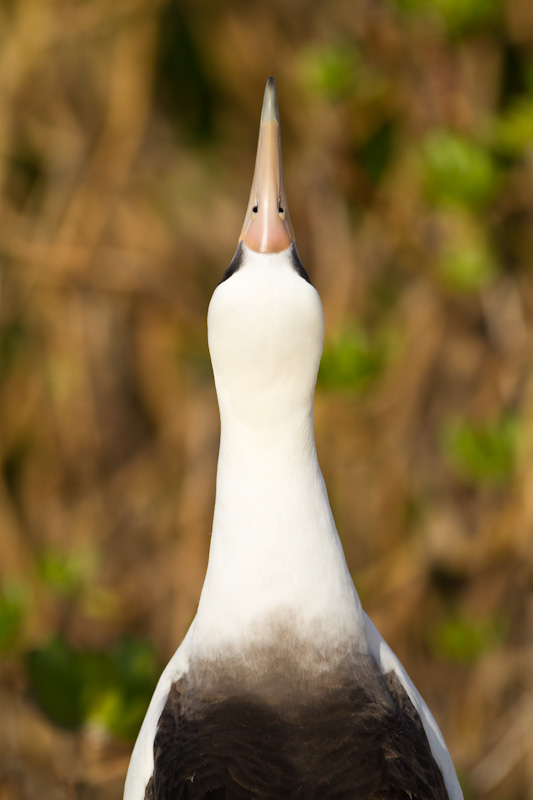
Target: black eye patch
(297, 264)
(236, 262)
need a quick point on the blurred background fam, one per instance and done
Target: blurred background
(127, 145)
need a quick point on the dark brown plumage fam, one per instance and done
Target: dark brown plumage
(351, 739)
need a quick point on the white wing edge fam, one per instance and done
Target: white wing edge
(141, 765)
(388, 661)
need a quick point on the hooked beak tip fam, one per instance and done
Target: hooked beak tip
(267, 227)
(270, 110)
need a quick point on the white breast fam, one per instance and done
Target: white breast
(266, 332)
(275, 552)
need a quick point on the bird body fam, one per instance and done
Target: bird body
(282, 686)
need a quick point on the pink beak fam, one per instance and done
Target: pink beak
(267, 227)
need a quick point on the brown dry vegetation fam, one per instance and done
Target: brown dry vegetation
(127, 142)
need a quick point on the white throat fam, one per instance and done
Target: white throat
(275, 558)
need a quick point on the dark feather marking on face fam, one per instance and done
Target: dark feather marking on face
(297, 264)
(354, 733)
(236, 262)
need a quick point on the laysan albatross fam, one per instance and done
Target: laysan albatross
(282, 687)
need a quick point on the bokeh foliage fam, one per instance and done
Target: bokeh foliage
(127, 141)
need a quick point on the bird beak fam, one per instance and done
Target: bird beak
(267, 227)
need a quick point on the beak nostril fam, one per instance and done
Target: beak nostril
(266, 227)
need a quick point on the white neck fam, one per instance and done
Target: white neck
(275, 556)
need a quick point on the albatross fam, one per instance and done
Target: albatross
(282, 687)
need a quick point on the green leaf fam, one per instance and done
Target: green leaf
(61, 573)
(331, 69)
(352, 360)
(457, 171)
(13, 606)
(465, 16)
(107, 688)
(463, 639)
(57, 682)
(459, 16)
(482, 453)
(376, 153)
(13, 345)
(513, 130)
(467, 266)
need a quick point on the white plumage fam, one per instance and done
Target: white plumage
(277, 576)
